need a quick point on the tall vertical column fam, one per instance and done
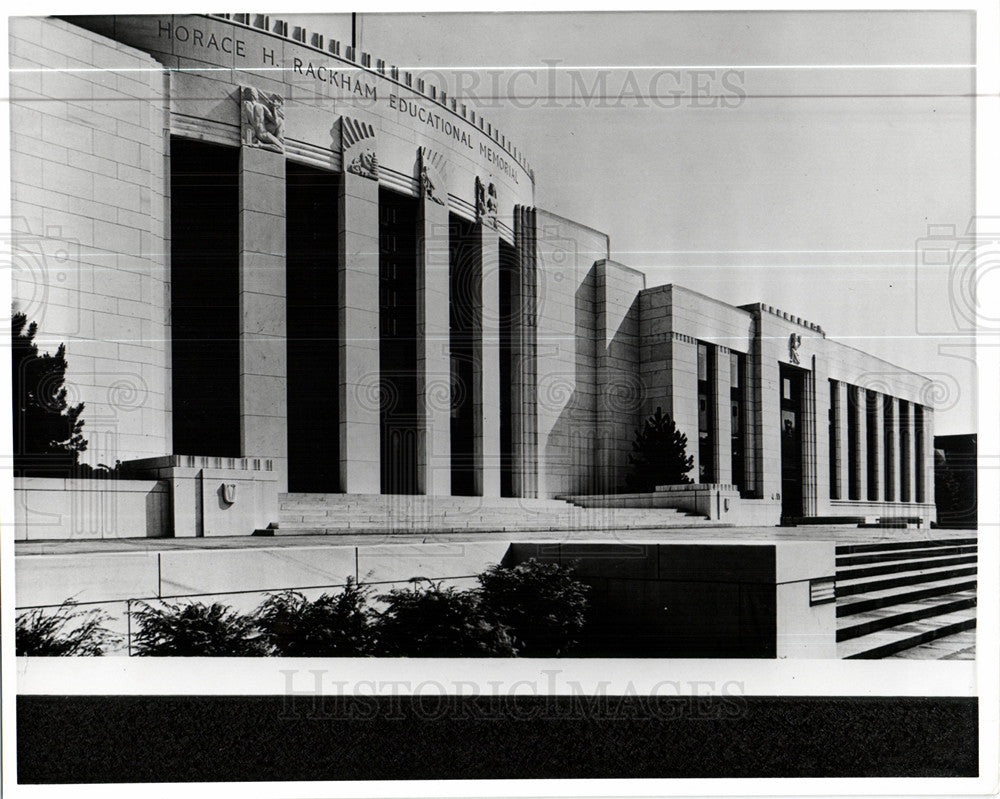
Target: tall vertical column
(843, 466)
(928, 456)
(524, 422)
(821, 425)
(809, 445)
(358, 298)
(876, 444)
(486, 383)
(723, 422)
(907, 452)
(263, 368)
(859, 398)
(891, 438)
(433, 343)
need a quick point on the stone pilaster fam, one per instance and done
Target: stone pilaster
(907, 454)
(723, 422)
(486, 382)
(843, 465)
(928, 454)
(524, 338)
(433, 349)
(815, 440)
(263, 368)
(858, 397)
(890, 440)
(358, 298)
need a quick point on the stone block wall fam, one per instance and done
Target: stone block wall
(566, 360)
(89, 199)
(620, 390)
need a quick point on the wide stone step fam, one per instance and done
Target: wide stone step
(853, 587)
(865, 624)
(898, 566)
(850, 549)
(874, 600)
(897, 639)
(904, 555)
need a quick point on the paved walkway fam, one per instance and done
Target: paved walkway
(841, 534)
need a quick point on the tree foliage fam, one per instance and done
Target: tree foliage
(339, 625)
(48, 433)
(195, 629)
(63, 632)
(659, 455)
(433, 621)
(542, 605)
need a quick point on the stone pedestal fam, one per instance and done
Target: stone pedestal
(358, 298)
(263, 379)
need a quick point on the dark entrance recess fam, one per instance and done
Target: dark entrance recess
(465, 324)
(312, 337)
(509, 318)
(204, 298)
(791, 442)
(398, 341)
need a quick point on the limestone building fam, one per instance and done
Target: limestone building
(275, 259)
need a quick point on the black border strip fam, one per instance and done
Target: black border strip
(94, 739)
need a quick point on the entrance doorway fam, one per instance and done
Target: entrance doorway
(791, 441)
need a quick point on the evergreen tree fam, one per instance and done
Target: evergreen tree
(48, 434)
(659, 455)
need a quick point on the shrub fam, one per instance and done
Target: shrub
(659, 455)
(42, 634)
(195, 629)
(331, 626)
(542, 605)
(433, 621)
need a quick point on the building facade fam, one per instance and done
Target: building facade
(268, 253)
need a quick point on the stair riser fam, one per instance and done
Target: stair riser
(865, 606)
(876, 571)
(861, 560)
(877, 625)
(898, 582)
(900, 646)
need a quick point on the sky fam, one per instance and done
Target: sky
(794, 158)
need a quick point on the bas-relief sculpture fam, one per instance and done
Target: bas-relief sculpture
(262, 119)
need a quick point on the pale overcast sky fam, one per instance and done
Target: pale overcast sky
(810, 193)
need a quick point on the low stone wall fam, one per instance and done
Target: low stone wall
(716, 501)
(65, 508)
(873, 511)
(725, 599)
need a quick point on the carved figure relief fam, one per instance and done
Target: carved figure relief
(794, 342)
(262, 119)
(486, 203)
(365, 164)
(431, 168)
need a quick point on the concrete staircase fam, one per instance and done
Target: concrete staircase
(892, 597)
(359, 514)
